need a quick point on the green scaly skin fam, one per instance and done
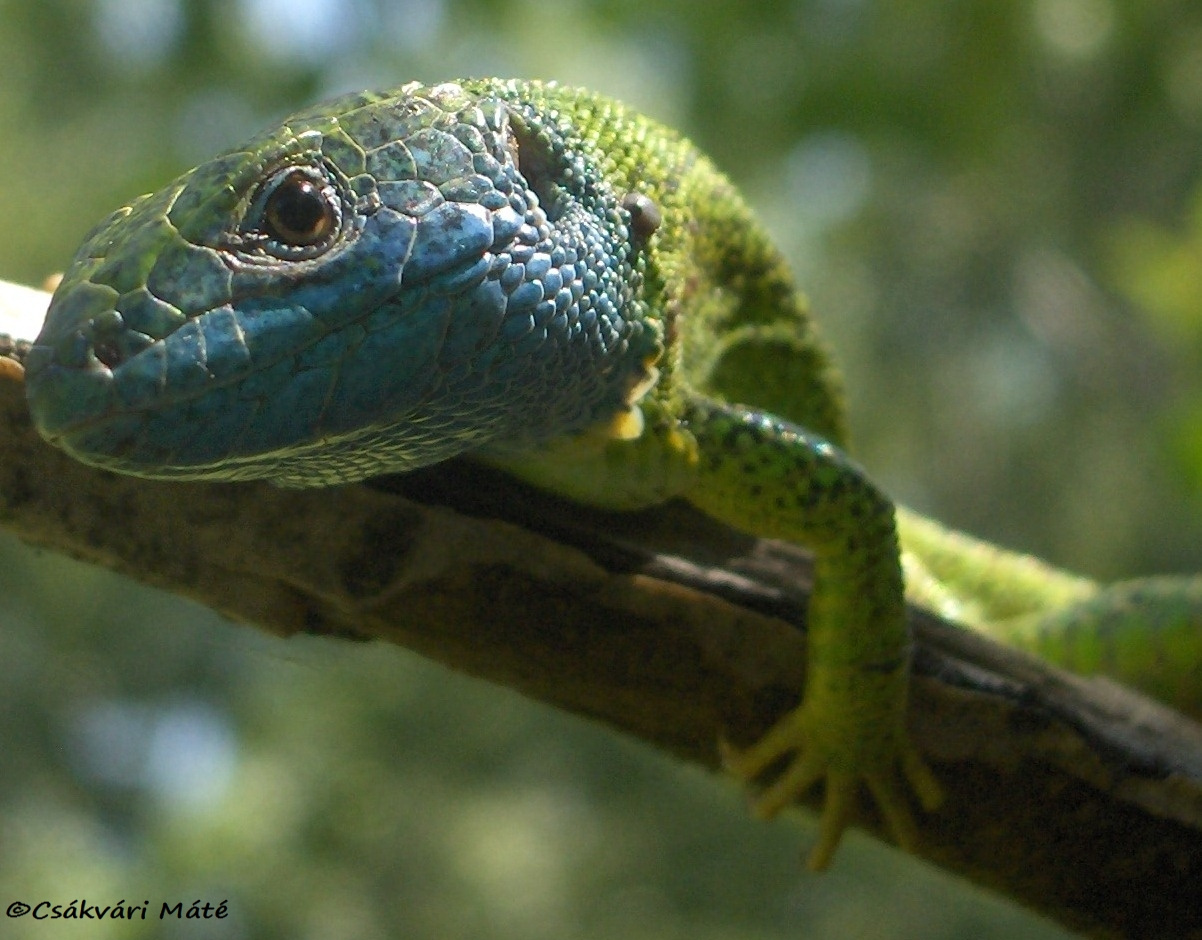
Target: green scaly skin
(543, 279)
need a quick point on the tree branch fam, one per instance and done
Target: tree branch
(1078, 799)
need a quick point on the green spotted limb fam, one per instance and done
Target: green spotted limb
(764, 475)
(759, 472)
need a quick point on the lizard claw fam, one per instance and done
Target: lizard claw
(842, 770)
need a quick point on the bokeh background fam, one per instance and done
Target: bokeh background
(996, 207)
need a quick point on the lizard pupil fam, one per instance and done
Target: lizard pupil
(298, 212)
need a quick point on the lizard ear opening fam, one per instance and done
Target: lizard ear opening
(536, 162)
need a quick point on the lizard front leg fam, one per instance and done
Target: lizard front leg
(771, 478)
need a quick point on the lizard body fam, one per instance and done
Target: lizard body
(537, 277)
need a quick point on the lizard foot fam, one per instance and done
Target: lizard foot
(817, 756)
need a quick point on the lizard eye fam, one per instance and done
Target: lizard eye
(298, 213)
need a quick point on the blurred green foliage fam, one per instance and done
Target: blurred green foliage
(997, 209)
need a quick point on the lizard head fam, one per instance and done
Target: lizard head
(378, 283)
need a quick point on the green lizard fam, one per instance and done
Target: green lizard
(545, 280)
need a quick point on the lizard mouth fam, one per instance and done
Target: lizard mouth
(115, 396)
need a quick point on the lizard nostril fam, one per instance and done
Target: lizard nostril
(108, 353)
(113, 340)
(106, 330)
